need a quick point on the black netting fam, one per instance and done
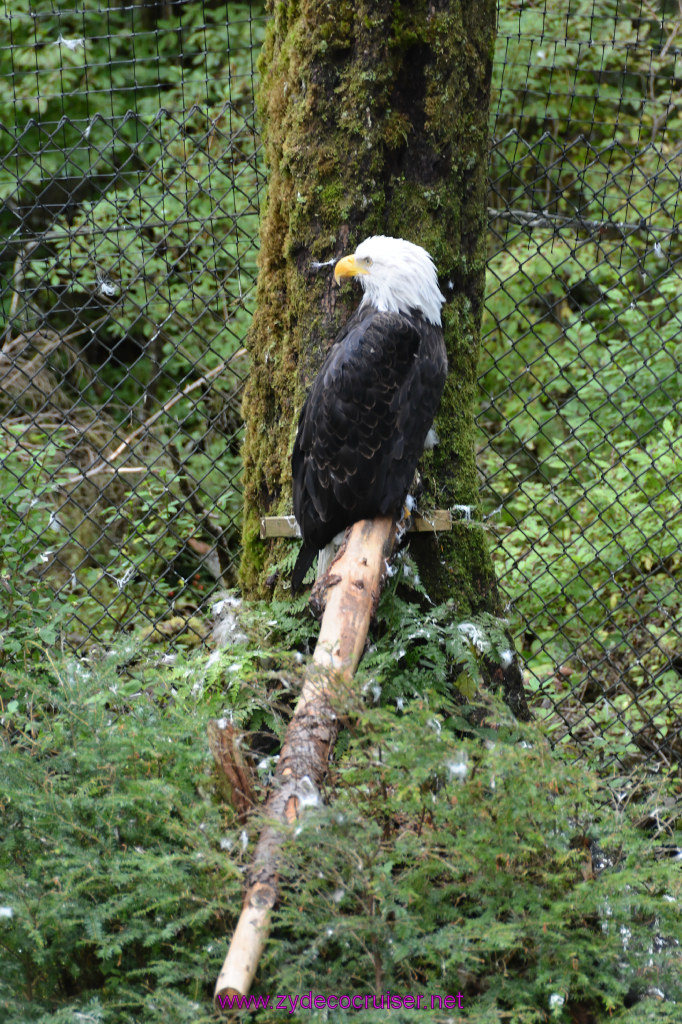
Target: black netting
(580, 423)
(130, 184)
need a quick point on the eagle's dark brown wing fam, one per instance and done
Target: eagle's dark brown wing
(363, 425)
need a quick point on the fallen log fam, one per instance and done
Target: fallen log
(349, 593)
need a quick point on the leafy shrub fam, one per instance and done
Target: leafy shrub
(114, 861)
(450, 862)
(450, 858)
(29, 618)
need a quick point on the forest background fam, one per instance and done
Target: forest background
(129, 225)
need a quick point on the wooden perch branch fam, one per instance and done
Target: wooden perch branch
(351, 590)
(436, 520)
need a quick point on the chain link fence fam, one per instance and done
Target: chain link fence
(131, 180)
(581, 442)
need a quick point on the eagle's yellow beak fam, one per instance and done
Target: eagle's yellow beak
(348, 267)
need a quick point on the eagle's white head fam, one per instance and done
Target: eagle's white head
(396, 276)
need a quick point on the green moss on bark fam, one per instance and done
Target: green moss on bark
(375, 120)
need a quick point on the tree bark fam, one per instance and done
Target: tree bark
(375, 121)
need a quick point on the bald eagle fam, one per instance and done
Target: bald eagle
(363, 425)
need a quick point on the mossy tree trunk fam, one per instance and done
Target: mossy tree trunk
(375, 121)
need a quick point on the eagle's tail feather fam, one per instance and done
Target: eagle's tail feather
(306, 557)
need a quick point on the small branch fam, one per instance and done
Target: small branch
(203, 516)
(17, 282)
(60, 339)
(658, 121)
(105, 467)
(556, 222)
(223, 742)
(98, 470)
(352, 594)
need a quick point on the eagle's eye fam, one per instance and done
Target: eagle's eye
(368, 261)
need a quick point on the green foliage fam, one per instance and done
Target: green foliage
(73, 70)
(447, 864)
(428, 648)
(581, 366)
(169, 228)
(28, 615)
(99, 570)
(616, 53)
(115, 860)
(166, 245)
(451, 858)
(145, 563)
(591, 520)
(133, 161)
(120, 869)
